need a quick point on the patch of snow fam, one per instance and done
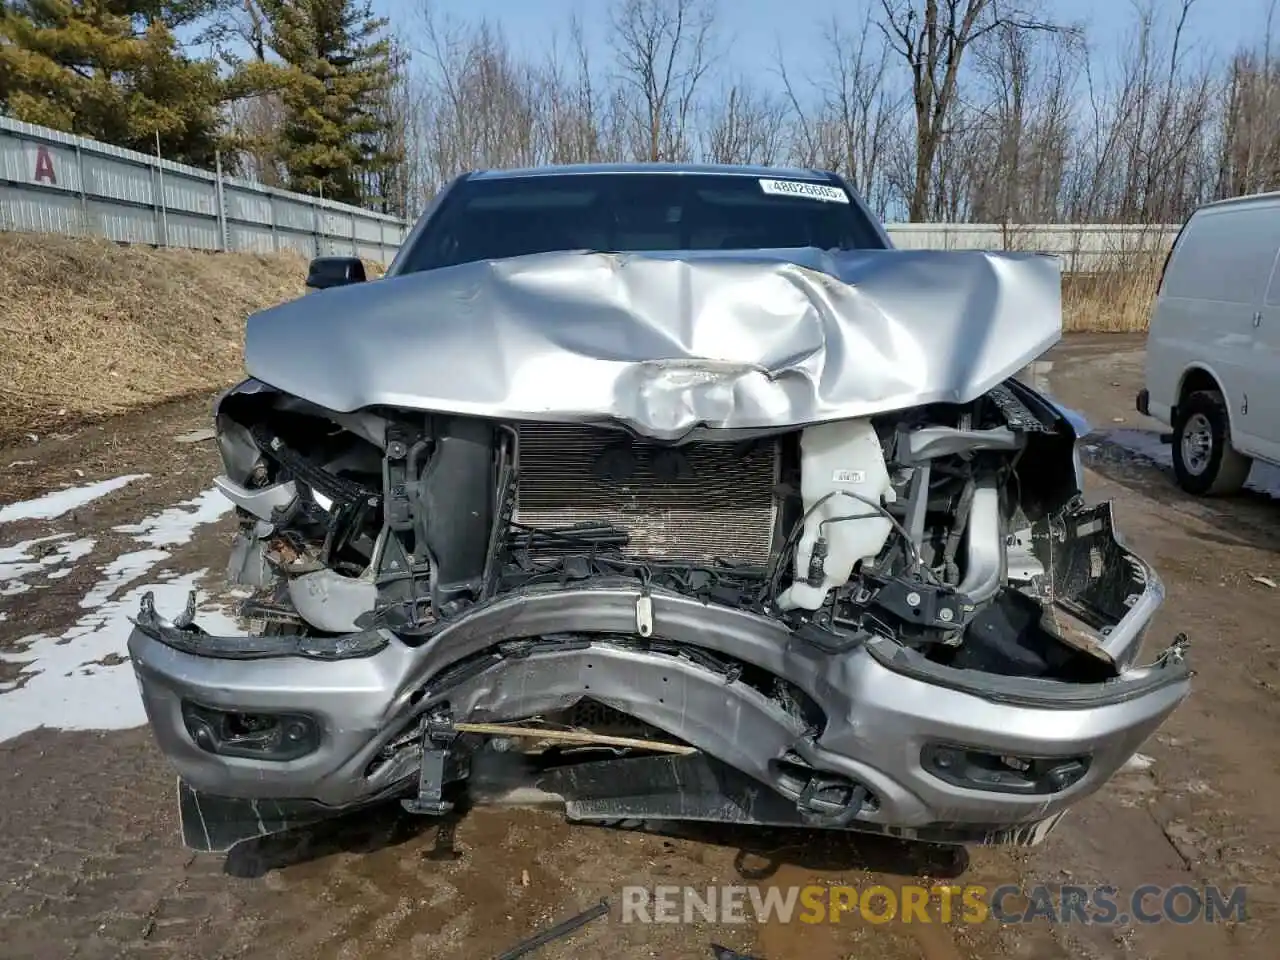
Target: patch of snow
(21, 561)
(176, 525)
(83, 680)
(75, 550)
(197, 436)
(17, 561)
(1139, 761)
(1263, 478)
(60, 502)
(170, 527)
(120, 572)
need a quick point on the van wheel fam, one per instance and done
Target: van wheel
(1204, 461)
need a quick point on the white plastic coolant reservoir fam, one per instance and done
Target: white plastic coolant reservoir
(844, 455)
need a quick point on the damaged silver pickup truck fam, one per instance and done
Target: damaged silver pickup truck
(686, 489)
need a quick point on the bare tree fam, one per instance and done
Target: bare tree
(479, 101)
(1249, 139)
(388, 181)
(663, 50)
(1011, 119)
(745, 126)
(253, 130)
(932, 37)
(575, 109)
(846, 119)
(1148, 156)
(1021, 124)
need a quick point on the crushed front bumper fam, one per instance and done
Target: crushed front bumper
(916, 735)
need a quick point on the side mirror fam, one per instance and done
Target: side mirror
(325, 272)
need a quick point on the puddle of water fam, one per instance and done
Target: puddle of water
(21, 561)
(83, 680)
(175, 526)
(1263, 478)
(61, 502)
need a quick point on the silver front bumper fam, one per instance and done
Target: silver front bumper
(883, 705)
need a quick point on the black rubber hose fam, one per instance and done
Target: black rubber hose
(561, 929)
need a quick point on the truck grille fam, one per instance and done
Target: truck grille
(721, 506)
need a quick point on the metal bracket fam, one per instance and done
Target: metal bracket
(644, 614)
(818, 812)
(1175, 653)
(438, 735)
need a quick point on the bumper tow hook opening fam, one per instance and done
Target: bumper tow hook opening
(817, 811)
(438, 735)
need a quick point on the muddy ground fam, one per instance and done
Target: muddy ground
(91, 864)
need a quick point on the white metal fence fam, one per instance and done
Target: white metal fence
(1083, 247)
(53, 182)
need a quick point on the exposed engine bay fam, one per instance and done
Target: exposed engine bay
(932, 527)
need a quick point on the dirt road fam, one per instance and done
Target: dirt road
(91, 865)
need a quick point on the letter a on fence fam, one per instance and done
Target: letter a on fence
(44, 166)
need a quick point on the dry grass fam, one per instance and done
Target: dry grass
(1118, 301)
(89, 329)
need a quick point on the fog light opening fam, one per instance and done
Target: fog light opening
(263, 736)
(978, 769)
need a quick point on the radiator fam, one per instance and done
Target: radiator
(722, 506)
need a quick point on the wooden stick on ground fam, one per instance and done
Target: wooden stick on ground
(500, 730)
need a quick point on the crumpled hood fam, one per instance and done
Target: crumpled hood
(666, 344)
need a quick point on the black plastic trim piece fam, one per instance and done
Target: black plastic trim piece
(187, 638)
(975, 768)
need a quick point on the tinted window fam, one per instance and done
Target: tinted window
(490, 219)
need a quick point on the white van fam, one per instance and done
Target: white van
(1213, 349)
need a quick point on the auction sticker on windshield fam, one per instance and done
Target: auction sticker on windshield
(801, 188)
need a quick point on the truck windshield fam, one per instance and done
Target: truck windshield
(488, 219)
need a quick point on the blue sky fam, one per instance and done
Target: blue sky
(757, 27)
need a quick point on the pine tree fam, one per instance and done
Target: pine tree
(111, 70)
(336, 65)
